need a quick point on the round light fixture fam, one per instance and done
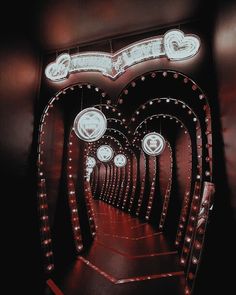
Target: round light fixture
(90, 124)
(105, 153)
(120, 160)
(91, 162)
(153, 144)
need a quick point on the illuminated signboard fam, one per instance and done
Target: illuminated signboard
(174, 45)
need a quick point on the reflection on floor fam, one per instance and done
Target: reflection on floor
(127, 257)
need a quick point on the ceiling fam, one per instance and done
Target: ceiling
(63, 23)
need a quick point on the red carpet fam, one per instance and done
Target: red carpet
(127, 257)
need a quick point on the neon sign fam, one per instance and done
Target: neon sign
(120, 160)
(105, 153)
(153, 144)
(90, 124)
(174, 45)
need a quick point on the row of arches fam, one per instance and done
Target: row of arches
(166, 191)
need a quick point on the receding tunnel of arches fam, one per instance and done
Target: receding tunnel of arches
(139, 228)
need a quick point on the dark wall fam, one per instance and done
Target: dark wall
(19, 80)
(220, 240)
(19, 66)
(225, 62)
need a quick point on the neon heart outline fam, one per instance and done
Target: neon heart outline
(177, 37)
(151, 150)
(58, 69)
(95, 131)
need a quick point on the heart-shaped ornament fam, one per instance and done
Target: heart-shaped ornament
(90, 125)
(180, 46)
(59, 69)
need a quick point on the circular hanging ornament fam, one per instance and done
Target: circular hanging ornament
(153, 144)
(105, 153)
(90, 124)
(120, 160)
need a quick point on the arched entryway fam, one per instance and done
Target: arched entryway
(140, 226)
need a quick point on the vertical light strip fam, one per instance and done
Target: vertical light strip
(71, 171)
(199, 235)
(127, 187)
(46, 240)
(134, 182)
(152, 186)
(123, 176)
(117, 187)
(113, 185)
(167, 194)
(142, 188)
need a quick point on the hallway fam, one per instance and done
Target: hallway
(152, 161)
(138, 97)
(128, 256)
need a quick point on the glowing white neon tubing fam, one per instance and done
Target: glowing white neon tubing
(174, 45)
